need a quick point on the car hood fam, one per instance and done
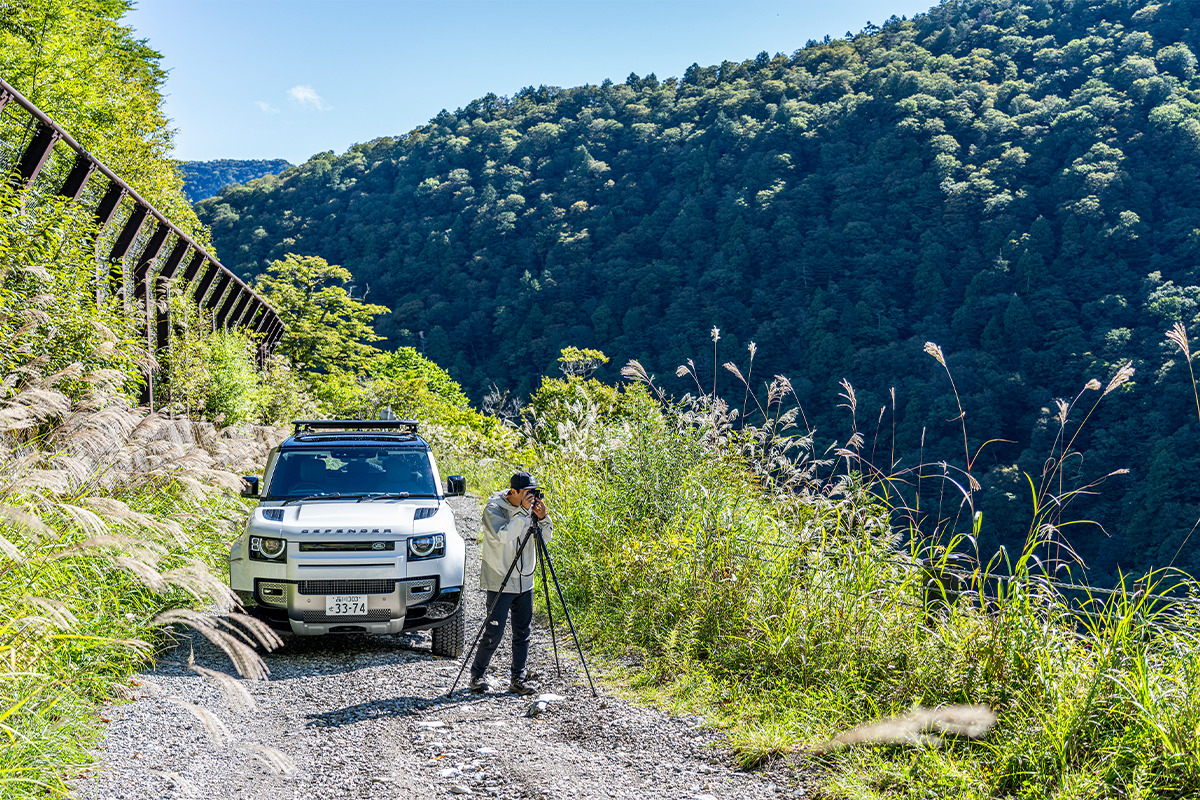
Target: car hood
(334, 517)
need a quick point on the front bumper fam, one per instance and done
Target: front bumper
(393, 605)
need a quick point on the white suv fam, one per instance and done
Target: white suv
(352, 533)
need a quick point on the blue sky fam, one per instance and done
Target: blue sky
(290, 78)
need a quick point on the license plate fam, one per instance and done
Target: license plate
(345, 605)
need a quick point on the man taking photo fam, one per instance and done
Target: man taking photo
(506, 518)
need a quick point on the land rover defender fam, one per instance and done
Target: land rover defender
(352, 533)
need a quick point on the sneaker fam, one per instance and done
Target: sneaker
(479, 685)
(520, 688)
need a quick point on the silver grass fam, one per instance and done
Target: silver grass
(11, 551)
(1063, 408)
(23, 520)
(259, 632)
(147, 575)
(196, 579)
(139, 646)
(1122, 377)
(935, 351)
(1178, 335)
(67, 373)
(55, 481)
(849, 395)
(103, 331)
(224, 635)
(236, 695)
(53, 610)
(278, 762)
(921, 727)
(216, 729)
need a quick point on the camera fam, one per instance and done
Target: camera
(537, 494)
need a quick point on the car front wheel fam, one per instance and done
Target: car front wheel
(448, 639)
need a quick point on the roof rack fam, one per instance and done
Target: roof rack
(310, 425)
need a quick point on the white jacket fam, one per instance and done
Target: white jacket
(504, 525)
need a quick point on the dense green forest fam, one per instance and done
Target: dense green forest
(1015, 181)
(203, 179)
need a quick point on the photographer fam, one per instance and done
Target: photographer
(506, 518)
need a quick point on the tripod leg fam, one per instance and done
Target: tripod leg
(541, 546)
(570, 625)
(488, 615)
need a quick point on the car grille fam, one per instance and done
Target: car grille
(372, 586)
(377, 615)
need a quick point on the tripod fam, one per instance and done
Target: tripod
(533, 533)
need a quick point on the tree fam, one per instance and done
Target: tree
(576, 363)
(327, 329)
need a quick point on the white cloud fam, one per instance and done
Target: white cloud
(306, 96)
(266, 108)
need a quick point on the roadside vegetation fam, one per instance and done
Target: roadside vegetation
(791, 596)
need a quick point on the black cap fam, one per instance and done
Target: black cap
(523, 480)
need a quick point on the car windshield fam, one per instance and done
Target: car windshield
(305, 473)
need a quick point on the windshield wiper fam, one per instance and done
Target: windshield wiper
(321, 497)
(384, 496)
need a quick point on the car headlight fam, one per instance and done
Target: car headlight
(421, 547)
(268, 548)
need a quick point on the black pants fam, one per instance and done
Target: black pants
(521, 606)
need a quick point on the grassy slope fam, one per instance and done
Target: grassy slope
(790, 618)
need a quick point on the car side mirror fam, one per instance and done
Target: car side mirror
(456, 486)
(249, 486)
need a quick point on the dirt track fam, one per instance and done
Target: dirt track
(366, 716)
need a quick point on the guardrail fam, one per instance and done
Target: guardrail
(146, 252)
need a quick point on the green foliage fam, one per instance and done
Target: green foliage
(406, 364)
(413, 387)
(233, 388)
(576, 363)
(789, 617)
(326, 328)
(184, 369)
(1014, 180)
(217, 373)
(49, 318)
(560, 410)
(203, 179)
(96, 78)
(283, 394)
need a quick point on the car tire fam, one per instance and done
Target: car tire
(448, 639)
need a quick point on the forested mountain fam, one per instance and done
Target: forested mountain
(203, 179)
(1016, 181)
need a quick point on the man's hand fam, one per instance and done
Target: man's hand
(538, 509)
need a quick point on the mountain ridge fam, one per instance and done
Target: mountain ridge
(204, 179)
(1014, 181)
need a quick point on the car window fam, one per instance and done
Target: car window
(299, 473)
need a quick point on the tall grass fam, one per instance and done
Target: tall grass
(790, 599)
(109, 520)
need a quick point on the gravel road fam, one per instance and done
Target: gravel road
(366, 716)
